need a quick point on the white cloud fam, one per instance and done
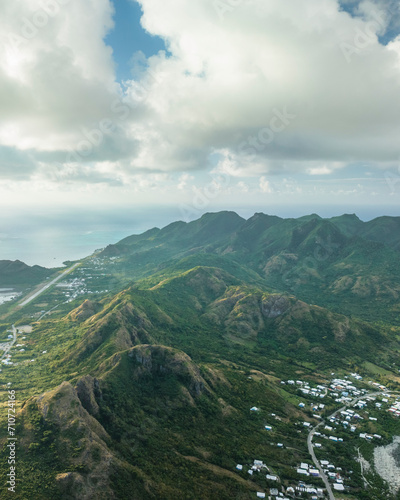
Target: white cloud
(265, 185)
(323, 170)
(226, 78)
(268, 88)
(243, 187)
(184, 179)
(56, 73)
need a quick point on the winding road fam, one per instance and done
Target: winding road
(316, 462)
(313, 430)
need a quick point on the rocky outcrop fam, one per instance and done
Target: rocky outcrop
(88, 391)
(386, 464)
(161, 360)
(82, 439)
(274, 306)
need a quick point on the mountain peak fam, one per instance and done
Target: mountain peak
(310, 217)
(351, 216)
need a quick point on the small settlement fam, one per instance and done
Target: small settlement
(336, 411)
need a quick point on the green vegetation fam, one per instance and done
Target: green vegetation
(16, 273)
(142, 366)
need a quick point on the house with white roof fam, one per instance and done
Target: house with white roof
(338, 487)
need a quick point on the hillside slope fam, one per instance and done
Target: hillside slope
(340, 263)
(212, 350)
(14, 273)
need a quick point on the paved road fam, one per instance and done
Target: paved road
(316, 462)
(49, 311)
(312, 432)
(48, 285)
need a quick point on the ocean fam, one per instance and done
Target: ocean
(50, 237)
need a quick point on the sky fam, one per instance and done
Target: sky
(183, 107)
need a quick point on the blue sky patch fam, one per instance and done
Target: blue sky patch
(128, 37)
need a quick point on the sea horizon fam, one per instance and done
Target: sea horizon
(49, 240)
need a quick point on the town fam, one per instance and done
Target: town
(326, 425)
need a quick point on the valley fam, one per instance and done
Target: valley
(157, 366)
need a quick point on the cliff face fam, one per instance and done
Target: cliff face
(79, 442)
(88, 391)
(160, 361)
(387, 464)
(65, 425)
(58, 428)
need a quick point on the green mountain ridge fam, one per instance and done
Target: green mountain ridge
(159, 388)
(14, 273)
(323, 261)
(214, 301)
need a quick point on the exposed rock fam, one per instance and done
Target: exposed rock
(63, 409)
(164, 360)
(71, 485)
(274, 306)
(387, 466)
(88, 390)
(341, 329)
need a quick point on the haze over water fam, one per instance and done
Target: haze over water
(49, 239)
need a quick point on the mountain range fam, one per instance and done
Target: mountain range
(161, 384)
(341, 263)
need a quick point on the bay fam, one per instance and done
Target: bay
(49, 239)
